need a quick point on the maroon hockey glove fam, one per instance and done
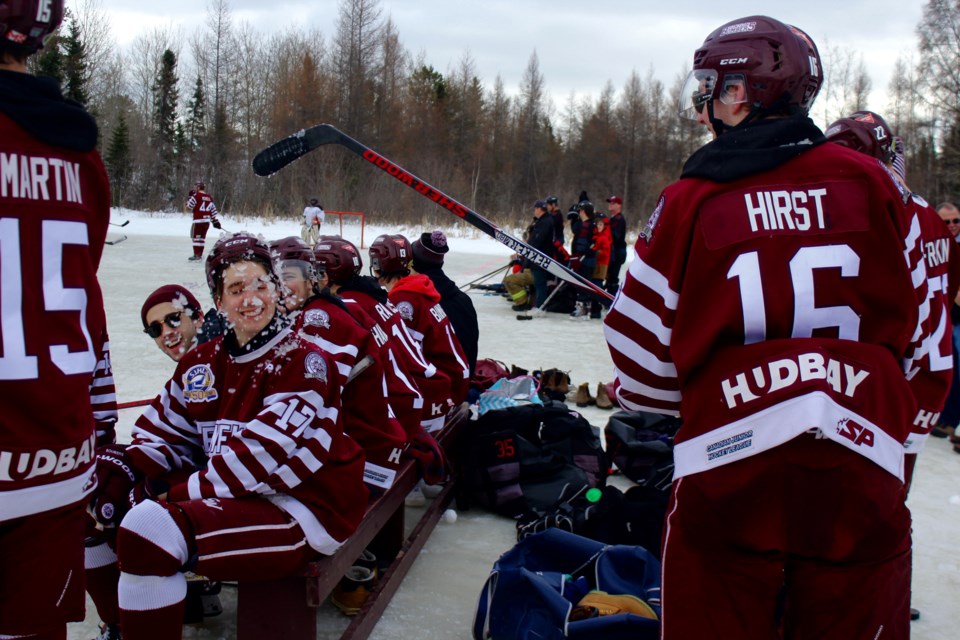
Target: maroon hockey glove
(150, 489)
(429, 457)
(116, 476)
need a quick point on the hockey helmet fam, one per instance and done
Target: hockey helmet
(777, 64)
(201, 186)
(338, 257)
(238, 247)
(390, 254)
(292, 251)
(587, 206)
(866, 132)
(25, 24)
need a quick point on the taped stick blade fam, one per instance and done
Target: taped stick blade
(283, 152)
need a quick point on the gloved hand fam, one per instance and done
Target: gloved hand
(116, 476)
(216, 224)
(149, 489)
(429, 457)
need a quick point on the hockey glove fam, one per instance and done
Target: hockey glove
(216, 224)
(429, 457)
(116, 476)
(150, 489)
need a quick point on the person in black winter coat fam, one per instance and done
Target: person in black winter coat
(428, 255)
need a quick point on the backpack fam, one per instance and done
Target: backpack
(641, 445)
(486, 372)
(521, 458)
(534, 587)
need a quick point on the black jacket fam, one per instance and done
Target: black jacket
(35, 103)
(541, 234)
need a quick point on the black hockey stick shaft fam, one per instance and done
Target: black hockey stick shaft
(125, 223)
(282, 153)
(117, 241)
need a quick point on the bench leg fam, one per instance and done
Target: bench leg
(276, 609)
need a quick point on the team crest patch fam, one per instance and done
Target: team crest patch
(198, 384)
(406, 310)
(647, 233)
(317, 318)
(314, 366)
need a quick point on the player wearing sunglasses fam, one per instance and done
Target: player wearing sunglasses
(172, 316)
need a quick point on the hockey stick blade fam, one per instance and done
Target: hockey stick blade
(282, 153)
(117, 241)
(125, 223)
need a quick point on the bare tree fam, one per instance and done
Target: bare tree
(939, 66)
(846, 85)
(355, 49)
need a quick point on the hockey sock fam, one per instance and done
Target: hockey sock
(103, 576)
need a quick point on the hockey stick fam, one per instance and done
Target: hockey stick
(476, 281)
(281, 153)
(125, 223)
(117, 241)
(556, 290)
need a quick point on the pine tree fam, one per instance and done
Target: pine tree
(118, 159)
(165, 98)
(50, 61)
(196, 114)
(75, 73)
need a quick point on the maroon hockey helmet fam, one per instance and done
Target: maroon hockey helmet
(338, 257)
(25, 24)
(390, 255)
(866, 132)
(201, 185)
(778, 64)
(294, 250)
(238, 247)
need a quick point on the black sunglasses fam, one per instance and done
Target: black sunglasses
(952, 220)
(172, 320)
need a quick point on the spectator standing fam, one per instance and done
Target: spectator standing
(313, 217)
(553, 210)
(790, 480)
(602, 245)
(429, 252)
(583, 260)
(56, 384)
(618, 254)
(204, 210)
(950, 416)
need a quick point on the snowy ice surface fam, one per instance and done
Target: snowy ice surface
(438, 597)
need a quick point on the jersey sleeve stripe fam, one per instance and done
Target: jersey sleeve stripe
(642, 357)
(655, 281)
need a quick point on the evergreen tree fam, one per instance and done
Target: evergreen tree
(118, 159)
(50, 60)
(196, 113)
(75, 72)
(165, 98)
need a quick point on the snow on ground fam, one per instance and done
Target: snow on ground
(438, 596)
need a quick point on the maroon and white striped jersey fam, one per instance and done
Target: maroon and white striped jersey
(202, 205)
(776, 304)
(263, 422)
(54, 211)
(931, 376)
(418, 303)
(103, 398)
(367, 417)
(407, 361)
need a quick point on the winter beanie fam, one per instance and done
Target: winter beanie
(172, 293)
(428, 251)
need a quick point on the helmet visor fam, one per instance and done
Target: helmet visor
(696, 92)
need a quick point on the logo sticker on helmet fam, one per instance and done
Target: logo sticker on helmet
(741, 27)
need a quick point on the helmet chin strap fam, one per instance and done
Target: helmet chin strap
(718, 125)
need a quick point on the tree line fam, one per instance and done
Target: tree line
(176, 107)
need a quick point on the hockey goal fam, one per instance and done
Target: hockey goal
(349, 225)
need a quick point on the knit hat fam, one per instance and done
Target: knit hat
(428, 250)
(539, 204)
(172, 293)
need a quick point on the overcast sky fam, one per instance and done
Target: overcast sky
(581, 44)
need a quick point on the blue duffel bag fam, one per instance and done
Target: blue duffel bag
(534, 587)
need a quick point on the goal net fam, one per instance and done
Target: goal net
(349, 225)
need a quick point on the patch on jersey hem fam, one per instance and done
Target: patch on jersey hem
(315, 366)
(198, 383)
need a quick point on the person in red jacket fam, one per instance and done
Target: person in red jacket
(776, 304)
(418, 303)
(245, 437)
(602, 245)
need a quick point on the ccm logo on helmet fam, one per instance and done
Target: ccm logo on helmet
(733, 61)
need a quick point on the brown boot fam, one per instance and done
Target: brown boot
(584, 399)
(603, 400)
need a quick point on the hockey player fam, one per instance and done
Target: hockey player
(313, 216)
(172, 316)
(56, 388)
(245, 437)
(418, 304)
(775, 304)
(868, 133)
(201, 205)
(322, 318)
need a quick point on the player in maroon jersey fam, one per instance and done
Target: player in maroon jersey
(322, 318)
(239, 469)
(418, 304)
(201, 205)
(56, 387)
(775, 304)
(172, 316)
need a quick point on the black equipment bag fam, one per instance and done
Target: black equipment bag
(641, 445)
(528, 457)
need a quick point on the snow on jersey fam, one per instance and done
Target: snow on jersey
(418, 303)
(931, 376)
(366, 416)
(202, 205)
(773, 305)
(266, 423)
(54, 210)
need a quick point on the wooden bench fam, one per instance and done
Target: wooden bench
(287, 608)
